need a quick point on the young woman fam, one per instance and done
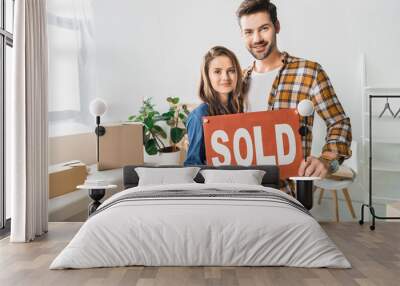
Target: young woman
(220, 90)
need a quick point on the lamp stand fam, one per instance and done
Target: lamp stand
(100, 131)
(304, 193)
(304, 188)
(303, 131)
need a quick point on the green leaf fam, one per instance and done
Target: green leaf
(158, 130)
(151, 147)
(182, 116)
(177, 134)
(173, 100)
(149, 122)
(168, 115)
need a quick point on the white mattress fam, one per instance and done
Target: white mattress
(200, 231)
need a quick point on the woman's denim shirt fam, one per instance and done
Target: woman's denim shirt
(196, 154)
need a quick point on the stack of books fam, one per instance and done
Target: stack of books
(96, 183)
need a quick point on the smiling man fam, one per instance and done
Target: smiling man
(276, 80)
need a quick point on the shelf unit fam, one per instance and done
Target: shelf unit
(382, 150)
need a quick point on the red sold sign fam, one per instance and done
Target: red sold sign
(256, 138)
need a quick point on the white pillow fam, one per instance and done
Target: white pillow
(166, 176)
(248, 177)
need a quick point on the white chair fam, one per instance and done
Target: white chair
(335, 185)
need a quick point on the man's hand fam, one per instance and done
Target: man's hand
(313, 167)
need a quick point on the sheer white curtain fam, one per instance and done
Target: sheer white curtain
(72, 76)
(27, 149)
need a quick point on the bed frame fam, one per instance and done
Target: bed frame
(270, 179)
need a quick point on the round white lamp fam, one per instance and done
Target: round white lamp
(305, 107)
(97, 108)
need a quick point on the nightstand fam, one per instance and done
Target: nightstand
(96, 193)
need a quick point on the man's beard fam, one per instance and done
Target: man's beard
(263, 55)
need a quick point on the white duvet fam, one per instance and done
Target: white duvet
(200, 231)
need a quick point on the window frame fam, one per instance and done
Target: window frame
(67, 114)
(6, 39)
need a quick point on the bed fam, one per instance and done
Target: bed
(201, 224)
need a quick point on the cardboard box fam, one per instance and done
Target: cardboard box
(121, 145)
(70, 147)
(64, 177)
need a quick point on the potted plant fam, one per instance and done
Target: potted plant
(156, 150)
(152, 132)
(176, 119)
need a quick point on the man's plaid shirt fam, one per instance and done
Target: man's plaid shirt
(300, 79)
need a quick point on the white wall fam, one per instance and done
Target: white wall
(155, 48)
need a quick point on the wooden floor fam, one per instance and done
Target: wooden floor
(375, 257)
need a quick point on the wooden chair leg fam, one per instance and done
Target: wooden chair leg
(348, 202)
(336, 202)
(321, 194)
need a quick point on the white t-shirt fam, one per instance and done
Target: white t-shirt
(260, 88)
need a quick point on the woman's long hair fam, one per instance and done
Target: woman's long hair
(207, 94)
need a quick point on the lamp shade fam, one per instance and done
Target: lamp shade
(97, 107)
(305, 107)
